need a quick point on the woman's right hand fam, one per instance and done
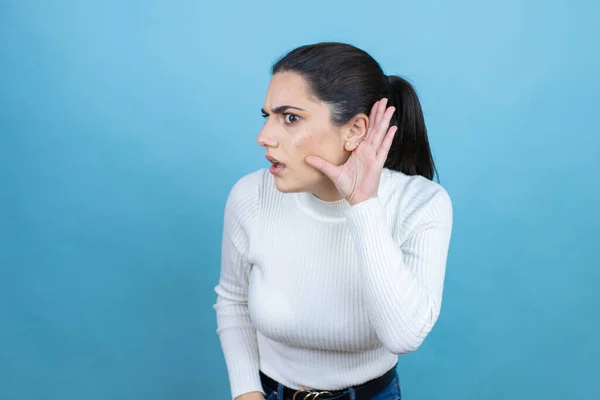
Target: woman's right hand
(251, 396)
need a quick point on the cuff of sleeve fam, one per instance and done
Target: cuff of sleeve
(245, 383)
(242, 364)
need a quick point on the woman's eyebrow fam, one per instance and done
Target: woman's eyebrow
(282, 109)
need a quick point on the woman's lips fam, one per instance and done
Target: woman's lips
(276, 166)
(277, 169)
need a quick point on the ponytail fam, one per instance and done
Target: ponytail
(410, 152)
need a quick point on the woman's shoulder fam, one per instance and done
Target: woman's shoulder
(243, 202)
(249, 182)
(249, 189)
(414, 193)
(398, 182)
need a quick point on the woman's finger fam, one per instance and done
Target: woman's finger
(330, 170)
(371, 120)
(382, 128)
(386, 145)
(374, 122)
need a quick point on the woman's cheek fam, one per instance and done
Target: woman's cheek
(304, 141)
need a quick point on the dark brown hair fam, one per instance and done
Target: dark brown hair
(351, 81)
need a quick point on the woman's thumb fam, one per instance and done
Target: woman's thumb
(325, 167)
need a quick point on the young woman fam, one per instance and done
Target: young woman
(333, 259)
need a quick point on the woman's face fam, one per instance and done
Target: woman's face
(298, 125)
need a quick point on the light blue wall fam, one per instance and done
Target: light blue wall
(123, 126)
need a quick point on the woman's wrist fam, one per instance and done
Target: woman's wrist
(251, 396)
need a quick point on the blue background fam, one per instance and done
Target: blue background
(123, 125)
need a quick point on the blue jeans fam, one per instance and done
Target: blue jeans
(390, 392)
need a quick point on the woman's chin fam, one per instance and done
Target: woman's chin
(287, 185)
(283, 187)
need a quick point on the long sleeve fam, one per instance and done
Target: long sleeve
(403, 269)
(235, 330)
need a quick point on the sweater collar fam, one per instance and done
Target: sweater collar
(332, 210)
(324, 210)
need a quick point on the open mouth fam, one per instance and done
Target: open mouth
(276, 166)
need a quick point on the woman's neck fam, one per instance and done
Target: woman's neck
(326, 191)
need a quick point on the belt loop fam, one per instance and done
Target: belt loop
(280, 392)
(352, 393)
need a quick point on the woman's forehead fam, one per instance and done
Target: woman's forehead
(288, 88)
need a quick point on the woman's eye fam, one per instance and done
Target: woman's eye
(291, 118)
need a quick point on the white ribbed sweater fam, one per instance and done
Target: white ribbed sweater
(324, 295)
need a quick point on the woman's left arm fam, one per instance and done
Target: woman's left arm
(403, 277)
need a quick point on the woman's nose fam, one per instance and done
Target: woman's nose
(266, 140)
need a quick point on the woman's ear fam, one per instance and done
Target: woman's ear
(356, 130)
